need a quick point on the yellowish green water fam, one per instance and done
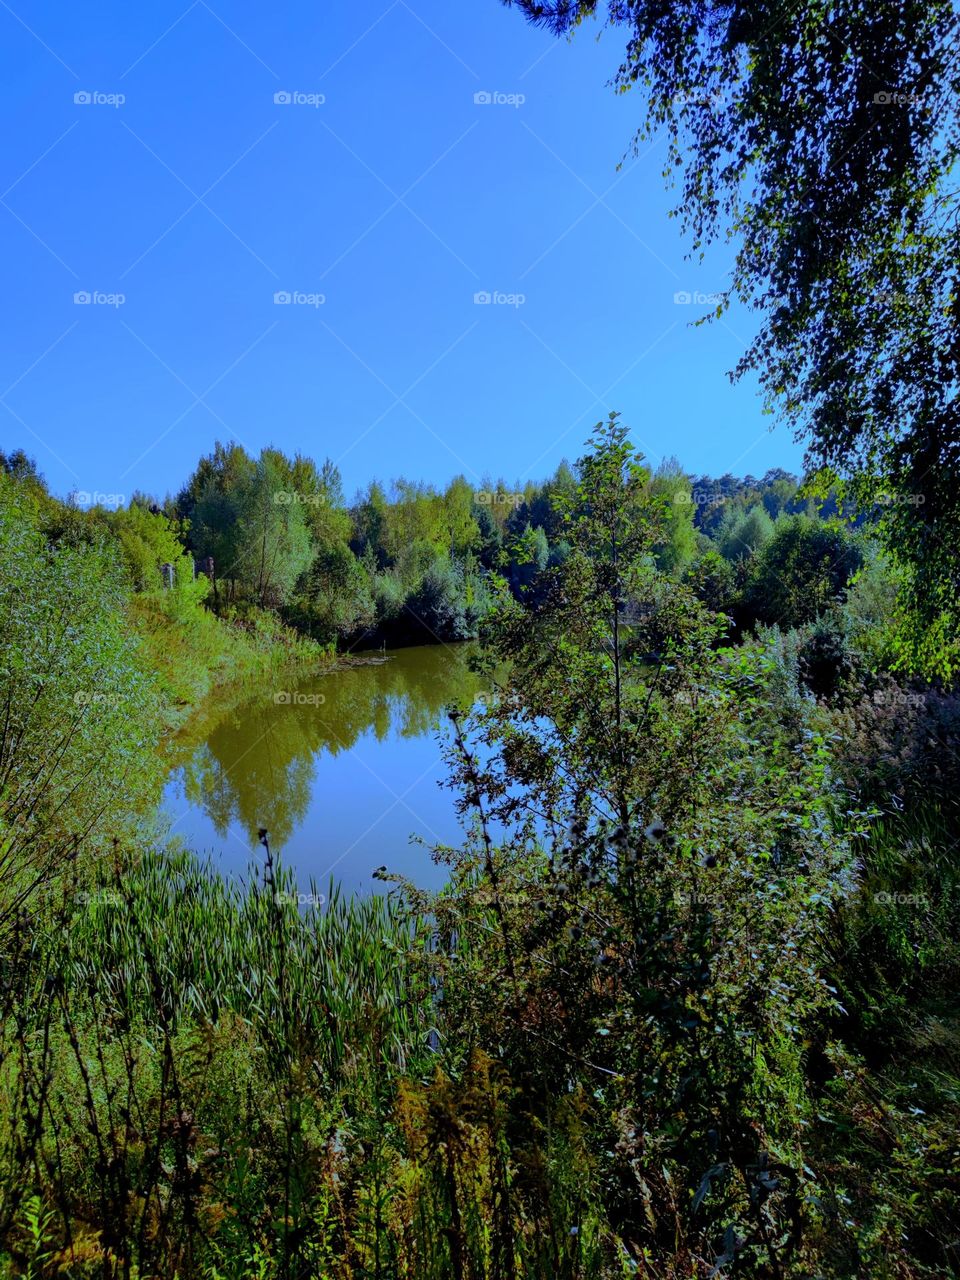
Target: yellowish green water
(341, 769)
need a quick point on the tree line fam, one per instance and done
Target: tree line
(412, 562)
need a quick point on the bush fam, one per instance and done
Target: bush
(801, 571)
(438, 606)
(899, 745)
(827, 663)
(712, 579)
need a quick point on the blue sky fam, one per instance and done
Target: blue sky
(148, 158)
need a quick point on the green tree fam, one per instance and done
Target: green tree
(672, 486)
(824, 138)
(743, 533)
(438, 606)
(334, 599)
(637, 916)
(804, 568)
(148, 540)
(712, 579)
(369, 516)
(528, 558)
(273, 545)
(490, 542)
(79, 724)
(462, 530)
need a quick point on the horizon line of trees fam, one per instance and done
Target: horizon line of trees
(414, 562)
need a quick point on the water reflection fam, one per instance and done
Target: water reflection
(340, 768)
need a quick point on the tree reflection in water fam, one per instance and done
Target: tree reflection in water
(256, 761)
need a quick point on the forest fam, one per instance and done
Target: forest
(687, 991)
(685, 1003)
(274, 537)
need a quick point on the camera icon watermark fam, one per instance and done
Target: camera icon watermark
(95, 298)
(494, 98)
(486, 298)
(295, 98)
(94, 98)
(294, 298)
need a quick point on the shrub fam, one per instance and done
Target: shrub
(803, 569)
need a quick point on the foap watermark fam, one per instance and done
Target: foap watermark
(286, 698)
(497, 498)
(83, 498)
(291, 498)
(491, 898)
(501, 700)
(700, 498)
(686, 298)
(93, 698)
(494, 98)
(94, 98)
(884, 899)
(108, 897)
(901, 499)
(296, 98)
(696, 100)
(484, 298)
(294, 898)
(894, 98)
(96, 298)
(695, 898)
(294, 298)
(897, 698)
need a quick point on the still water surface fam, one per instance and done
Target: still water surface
(342, 769)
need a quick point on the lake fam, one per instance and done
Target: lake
(342, 769)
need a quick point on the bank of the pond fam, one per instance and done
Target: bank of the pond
(342, 764)
(194, 654)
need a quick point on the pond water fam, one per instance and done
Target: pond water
(342, 769)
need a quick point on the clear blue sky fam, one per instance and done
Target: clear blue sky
(200, 197)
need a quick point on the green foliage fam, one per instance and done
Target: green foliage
(528, 557)
(80, 706)
(651, 913)
(438, 606)
(711, 578)
(670, 483)
(685, 1007)
(824, 140)
(148, 540)
(801, 570)
(250, 519)
(743, 534)
(334, 598)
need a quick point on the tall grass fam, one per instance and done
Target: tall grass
(180, 1052)
(194, 651)
(204, 1079)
